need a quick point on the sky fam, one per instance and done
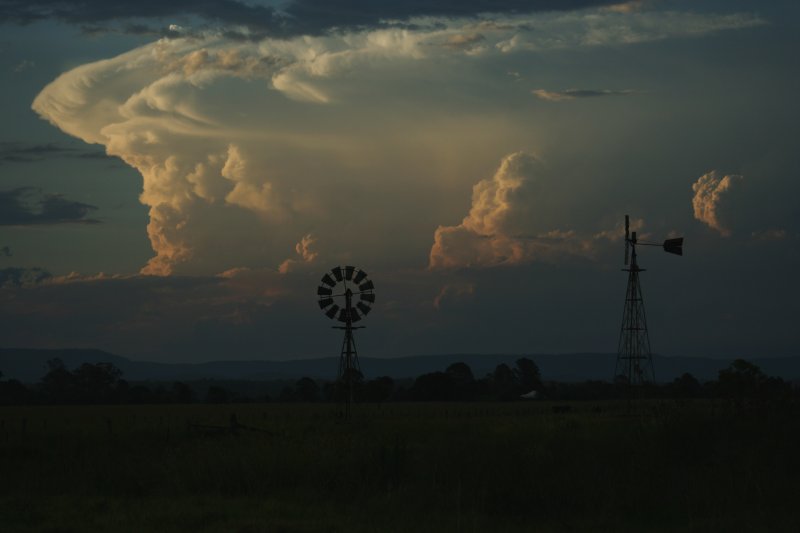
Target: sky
(176, 177)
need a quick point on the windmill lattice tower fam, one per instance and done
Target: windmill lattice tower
(634, 357)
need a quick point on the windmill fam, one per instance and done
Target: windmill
(337, 292)
(634, 359)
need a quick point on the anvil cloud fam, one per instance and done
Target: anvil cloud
(279, 134)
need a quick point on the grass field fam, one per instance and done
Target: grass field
(399, 467)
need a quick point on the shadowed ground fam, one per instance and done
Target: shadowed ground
(694, 466)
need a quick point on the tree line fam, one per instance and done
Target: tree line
(103, 383)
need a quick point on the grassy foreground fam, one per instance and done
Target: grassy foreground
(399, 467)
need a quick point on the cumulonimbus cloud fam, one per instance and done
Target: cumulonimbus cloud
(505, 225)
(230, 133)
(710, 191)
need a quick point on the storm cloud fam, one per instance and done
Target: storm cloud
(277, 154)
(510, 222)
(711, 190)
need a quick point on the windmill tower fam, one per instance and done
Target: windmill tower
(336, 299)
(634, 359)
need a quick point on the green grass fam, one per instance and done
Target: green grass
(399, 467)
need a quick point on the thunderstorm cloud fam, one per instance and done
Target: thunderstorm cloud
(508, 223)
(276, 133)
(710, 194)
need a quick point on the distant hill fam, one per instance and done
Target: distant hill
(29, 365)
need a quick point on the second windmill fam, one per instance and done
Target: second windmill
(634, 359)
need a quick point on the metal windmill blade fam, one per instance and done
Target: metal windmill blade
(359, 277)
(367, 297)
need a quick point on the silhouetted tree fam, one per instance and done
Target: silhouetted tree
(741, 380)
(461, 373)
(306, 390)
(216, 394)
(96, 383)
(686, 386)
(463, 381)
(182, 393)
(140, 394)
(433, 387)
(776, 391)
(58, 384)
(527, 375)
(12, 392)
(378, 390)
(502, 383)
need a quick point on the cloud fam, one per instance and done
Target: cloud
(95, 11)
(276, 134)
(626, 7)
(24, 65)
(303, 249)
(710, 193)
(22, 277)
(28, 206)
(773, 234)
(296, 17)
(453, 292)
(18, 152)
(235, 315)
(609, 28)
(510, 223)
(463, 40)
(572, 94)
